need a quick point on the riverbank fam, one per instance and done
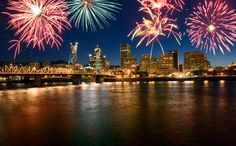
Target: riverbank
(140, 79)
(146, 79)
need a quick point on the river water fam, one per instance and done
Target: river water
(148, 113)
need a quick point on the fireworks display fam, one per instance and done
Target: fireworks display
(159, 24)
(37, 22)
(152, 30)
(160, 7)
(179, 4)
(212, 26)
(155, 5)
(91, 13)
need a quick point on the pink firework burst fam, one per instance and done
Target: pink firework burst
(37, 22)
(178, 4)
(153, 29)
(212, 26)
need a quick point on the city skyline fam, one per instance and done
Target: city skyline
(109, 40)
(117, 72)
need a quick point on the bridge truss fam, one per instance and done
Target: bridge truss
(27, 70)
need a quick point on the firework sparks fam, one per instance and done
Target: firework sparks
(37, 22)
(159, 25)
(178, 4)
(152, 30)
(212, 26)
(155, 7)
(158, 7)
(155, 4)
(90, 13)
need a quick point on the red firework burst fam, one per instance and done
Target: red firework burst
(37, 22)
(212, 26)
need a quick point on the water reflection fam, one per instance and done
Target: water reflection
(122, 113)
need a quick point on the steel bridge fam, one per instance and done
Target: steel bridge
(27, 70)
(37, 75)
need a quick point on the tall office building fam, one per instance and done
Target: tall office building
(168, 62)
(175, 58)
(194, 61)
(130, 62)
(124, 54)
(73, 53)
(148, 64)
(97, 60)
(144, 63)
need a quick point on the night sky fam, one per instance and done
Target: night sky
(109, 39)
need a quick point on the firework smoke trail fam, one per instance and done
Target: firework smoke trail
(37, 22)
(212, 26)
(91, 13)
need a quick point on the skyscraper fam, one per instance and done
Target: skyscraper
(194, 61)
(73, 53)
(175, 58)
(144, 63)
(124, 54)
(168, 63)
(97, 60)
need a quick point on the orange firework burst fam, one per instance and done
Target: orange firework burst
(37, 22)
(212, 26)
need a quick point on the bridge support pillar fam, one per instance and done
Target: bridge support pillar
(99, 79)
(76, 79)
(37, 80)
(8, 81)
(26, 79)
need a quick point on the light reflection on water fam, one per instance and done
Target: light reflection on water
(122, 113)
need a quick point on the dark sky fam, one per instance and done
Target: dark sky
(109, 39)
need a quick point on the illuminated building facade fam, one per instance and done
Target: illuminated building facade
(128, 63)
(124, 55)
(153, 66)
(148, 64)
(175, 58)
(73, 53)
(144, 63)
(168, 62)
(97, 60)
(194, 61)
